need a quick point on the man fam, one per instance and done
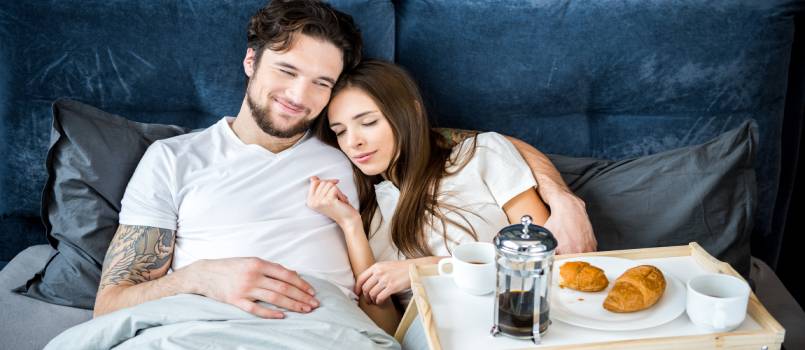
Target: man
(224, 209)
(229, 190)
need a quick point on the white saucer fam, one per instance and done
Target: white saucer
(586, 309)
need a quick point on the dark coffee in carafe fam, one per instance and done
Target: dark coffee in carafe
(516, 313)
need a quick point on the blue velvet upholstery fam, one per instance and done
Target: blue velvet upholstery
(173, 62)
(608, 78)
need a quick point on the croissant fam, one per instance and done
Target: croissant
(582, 276)
(636, 289)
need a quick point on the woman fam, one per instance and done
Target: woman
(419, 198)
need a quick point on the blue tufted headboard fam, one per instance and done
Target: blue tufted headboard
(173, 62)
(616, 78)
(608, 78)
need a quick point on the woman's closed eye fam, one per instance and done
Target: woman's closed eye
(373, 122)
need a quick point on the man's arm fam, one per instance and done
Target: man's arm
(136, 265)
(568, 220)
(137, 257)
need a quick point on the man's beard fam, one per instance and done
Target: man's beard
(262, 116)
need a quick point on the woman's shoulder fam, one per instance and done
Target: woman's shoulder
(489, 140)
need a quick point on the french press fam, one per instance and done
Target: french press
(524, 257)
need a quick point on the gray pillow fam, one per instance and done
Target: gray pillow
(705, 193)
(92, 155)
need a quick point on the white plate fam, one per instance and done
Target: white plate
(585, 309)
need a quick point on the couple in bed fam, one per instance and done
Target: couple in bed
(263, 211)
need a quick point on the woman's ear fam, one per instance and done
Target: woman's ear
(249, 62)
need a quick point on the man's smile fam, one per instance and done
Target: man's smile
(289, 107)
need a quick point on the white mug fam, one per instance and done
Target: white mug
(473, 267)
(717, 302)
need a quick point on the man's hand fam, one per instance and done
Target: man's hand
(568, 220)
(244, 282)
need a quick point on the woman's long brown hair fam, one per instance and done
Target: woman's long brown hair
(423, 156)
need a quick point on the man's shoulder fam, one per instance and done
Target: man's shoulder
(178, 140)
(198, 139)
(324, 151)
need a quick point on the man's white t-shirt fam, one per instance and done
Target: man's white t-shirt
(226, 199)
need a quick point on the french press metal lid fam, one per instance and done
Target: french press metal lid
(524, 240)
(524, 258)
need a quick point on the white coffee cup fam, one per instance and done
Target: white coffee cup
(717, 302)
(473, 267)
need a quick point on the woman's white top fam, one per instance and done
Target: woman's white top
(495, 174)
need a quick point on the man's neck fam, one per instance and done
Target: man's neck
(247, 130)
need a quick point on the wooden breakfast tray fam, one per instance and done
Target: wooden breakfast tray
(762, 331)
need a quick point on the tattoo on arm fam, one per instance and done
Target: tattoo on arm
(137, 254)
(455, 136)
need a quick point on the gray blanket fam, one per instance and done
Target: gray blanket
(195, 322)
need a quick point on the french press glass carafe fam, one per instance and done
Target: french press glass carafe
(524, 256)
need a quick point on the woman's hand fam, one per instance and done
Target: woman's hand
(383, 279)
(325, 198)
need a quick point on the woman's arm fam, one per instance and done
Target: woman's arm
(361, 258)
(526, 203)
(325, 198)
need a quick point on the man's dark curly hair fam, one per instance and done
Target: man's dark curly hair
(275, 25)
